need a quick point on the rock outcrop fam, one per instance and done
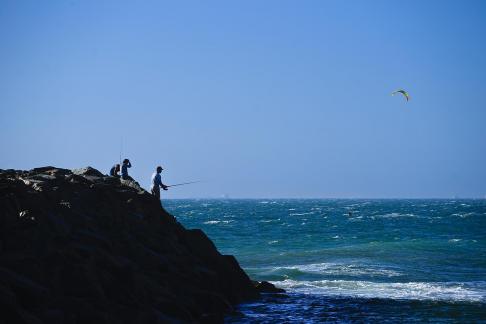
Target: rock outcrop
(81, 247)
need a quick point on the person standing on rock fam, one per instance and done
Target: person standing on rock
(115, 170)
(124, 169)
(157, 183)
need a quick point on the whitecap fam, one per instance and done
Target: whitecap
(395, 215)
(463, 215)
(301, 214)
(273, 242)
(444, 291)
(212, 222)
(338, 269)
(268, 220)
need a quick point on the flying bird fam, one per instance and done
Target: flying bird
(403, 92)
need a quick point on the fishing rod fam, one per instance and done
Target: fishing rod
(121, 149)
(184, 183)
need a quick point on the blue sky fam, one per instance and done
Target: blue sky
(257, 98)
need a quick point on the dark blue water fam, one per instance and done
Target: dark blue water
(353, 260)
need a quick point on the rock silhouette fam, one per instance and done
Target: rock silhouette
(81, 247)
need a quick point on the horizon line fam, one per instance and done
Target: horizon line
(326, 198)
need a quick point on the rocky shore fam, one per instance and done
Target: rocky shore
(77, 246)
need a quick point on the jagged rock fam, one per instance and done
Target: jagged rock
(80, 247)
(88, 171)
(132, 184)
(266, 287)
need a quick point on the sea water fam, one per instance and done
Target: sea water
(352, 260)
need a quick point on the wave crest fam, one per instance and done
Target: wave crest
(440, 291)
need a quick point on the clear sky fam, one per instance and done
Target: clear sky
(257, 98)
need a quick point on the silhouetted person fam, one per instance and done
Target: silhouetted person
(157, 183)
(124, 169)
(115, 170)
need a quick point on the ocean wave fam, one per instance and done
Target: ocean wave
(334, 269)
(269, 220)
(301, 214)
(464, 215)
(440, 291)
(183, 206)
(395, 215)
(211, 222)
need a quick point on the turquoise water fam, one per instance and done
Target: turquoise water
(353, 260)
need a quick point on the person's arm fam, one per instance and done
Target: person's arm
(159, 182)
(129, 164)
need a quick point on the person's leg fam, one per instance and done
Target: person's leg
(156, 192)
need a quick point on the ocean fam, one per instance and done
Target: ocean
(343, 260)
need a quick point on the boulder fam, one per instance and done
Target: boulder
(88, 171)
(266, 287)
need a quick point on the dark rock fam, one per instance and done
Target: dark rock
(48, 170)
(80, 247)
(29, 293)
(266, 287)
(88, 171)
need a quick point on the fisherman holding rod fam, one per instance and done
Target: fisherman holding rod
(157, 183)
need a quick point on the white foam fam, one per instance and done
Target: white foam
(463, 215)
(339, 269)
(212, 222)
(268, 220)
(446, 291)
(455, 240)
(218, 221)
(396, 215)
(301, 214)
